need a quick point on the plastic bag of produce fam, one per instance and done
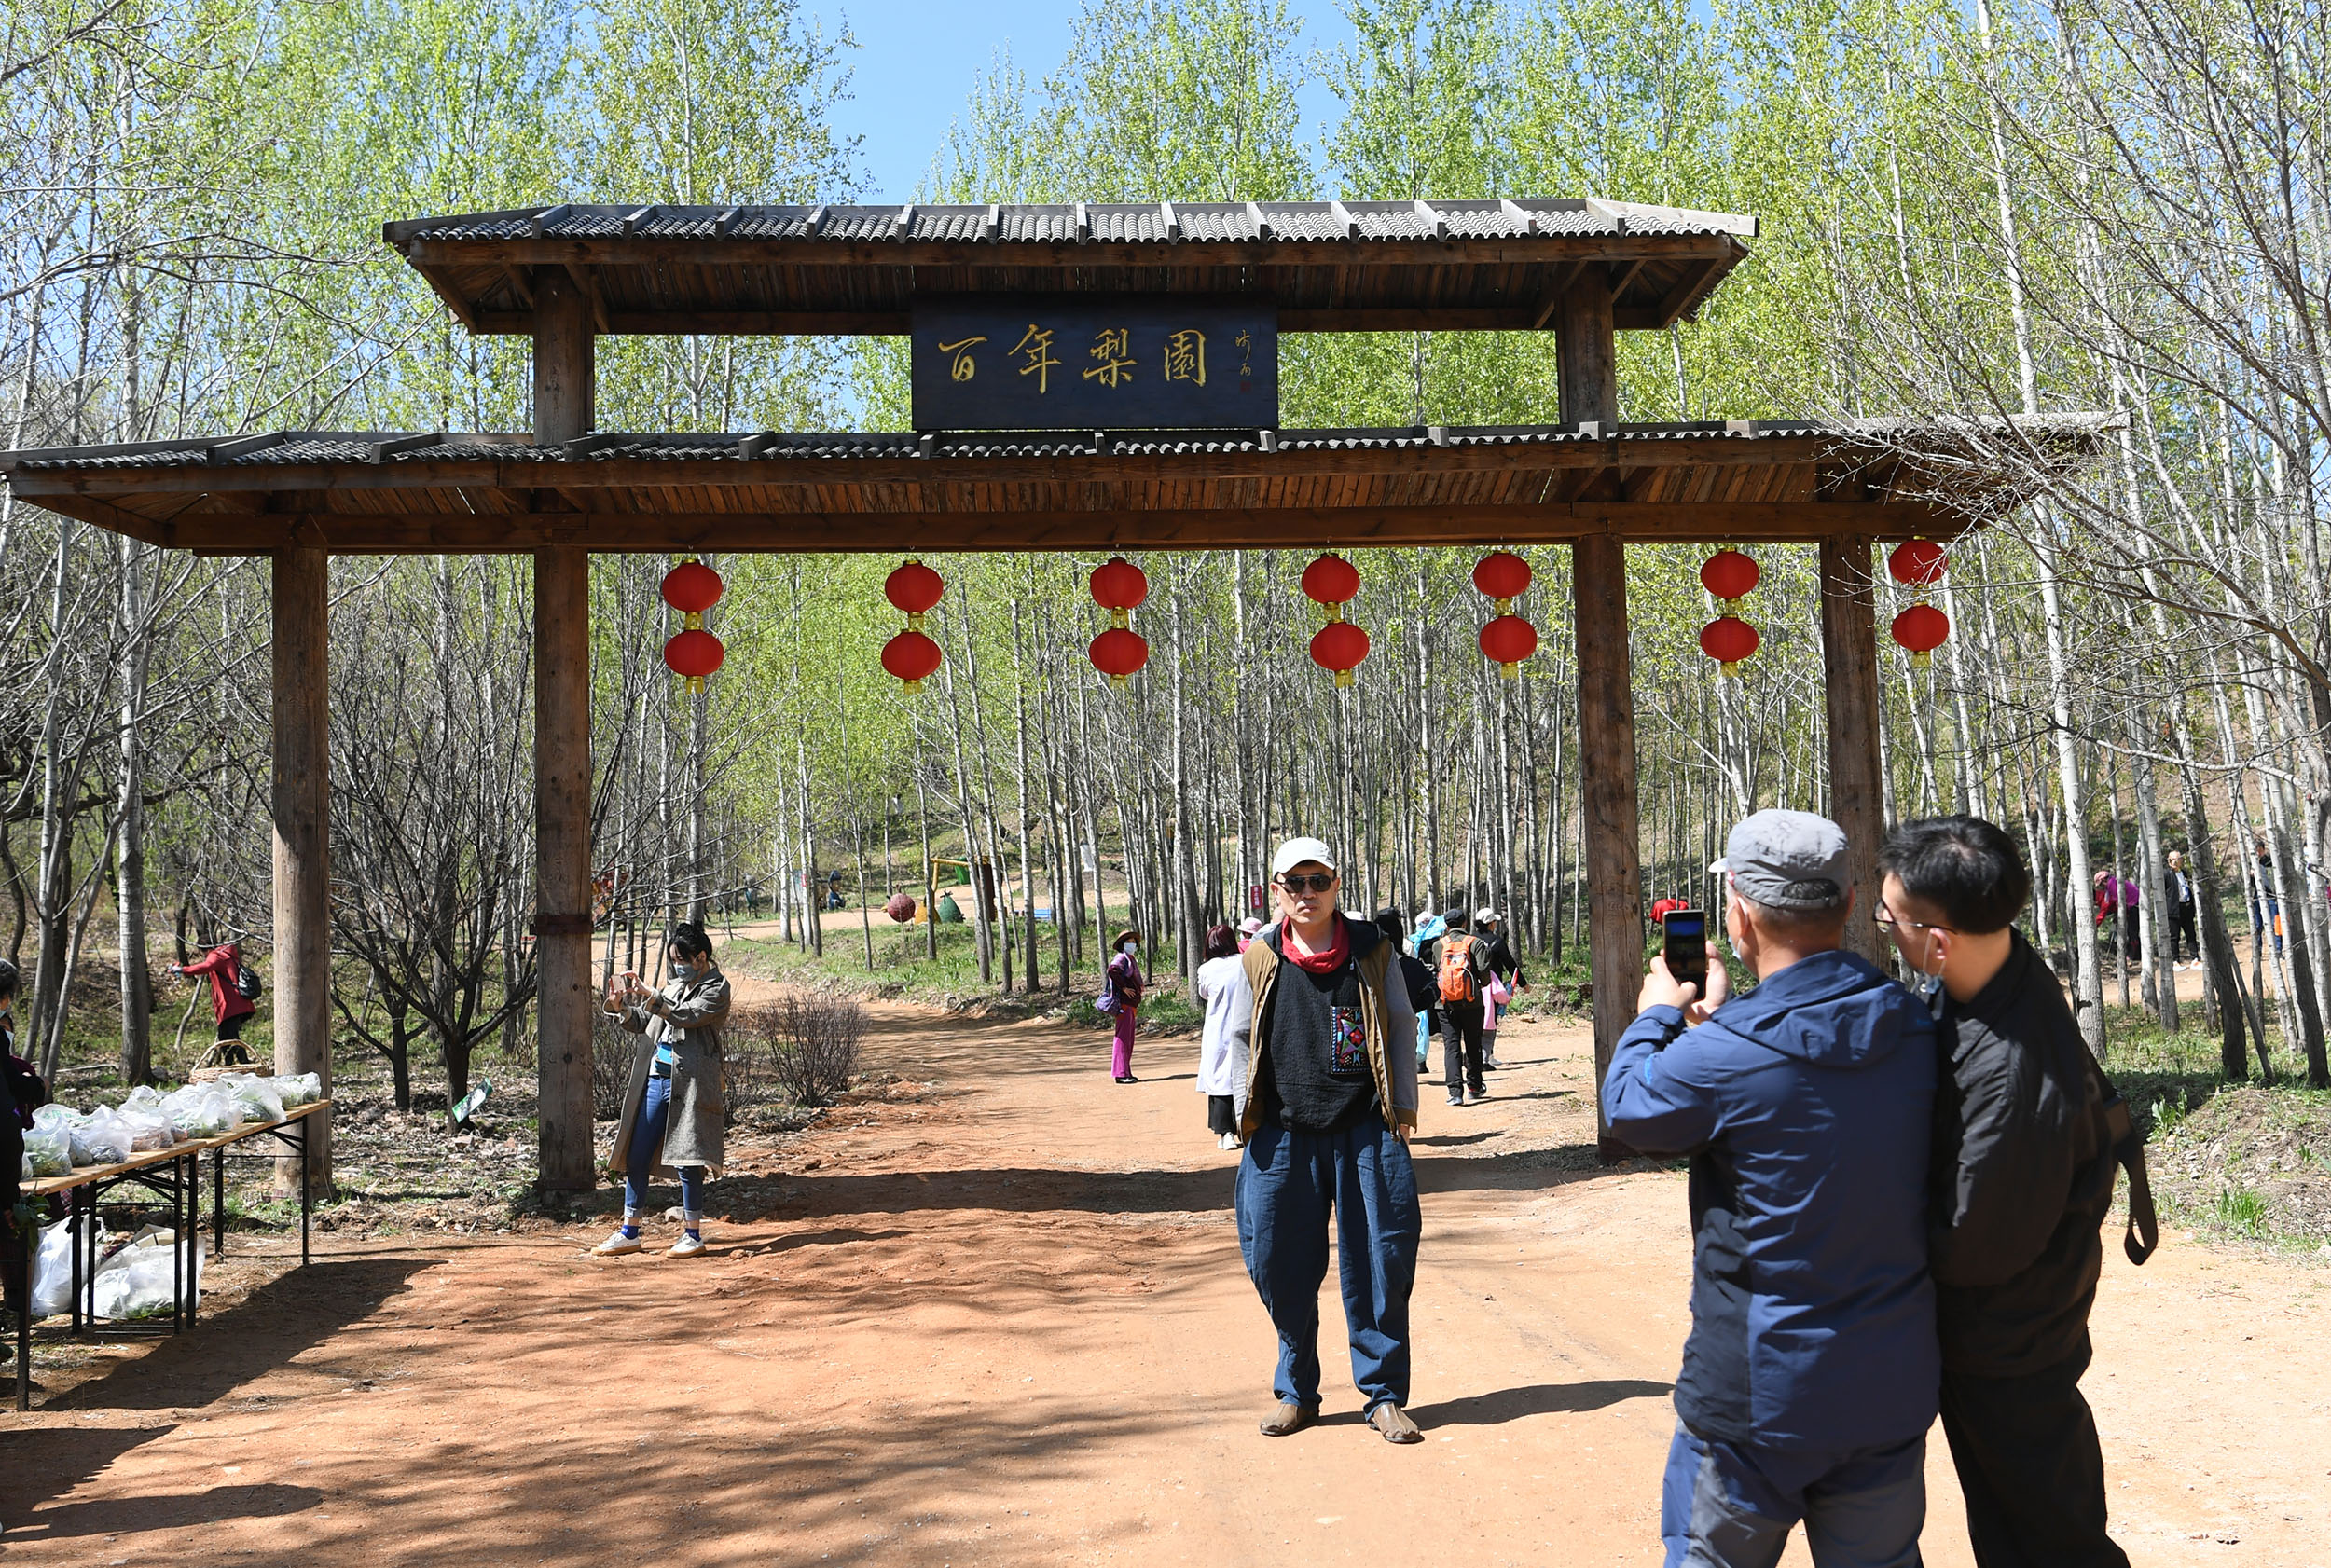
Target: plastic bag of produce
(203, 1110)
(144, 1097)
(148, 1132)
(253, 1097)
(55, 1115)
(299, 1089)
(47, 1152)
(103, 1139)
(52, 1269)
(137, 1281)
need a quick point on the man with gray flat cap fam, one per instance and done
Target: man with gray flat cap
(1320, 1013)
(1810, 1373)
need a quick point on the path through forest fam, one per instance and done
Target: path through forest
(997, 1316)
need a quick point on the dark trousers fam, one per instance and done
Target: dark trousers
(2028, 1460)
(1461, 1045)
(2181, 931)
(1288, 1185)
(1222, 1114)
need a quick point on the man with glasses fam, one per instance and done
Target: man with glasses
(1808, 1380)
(2023, 1181)
(1321, 1014)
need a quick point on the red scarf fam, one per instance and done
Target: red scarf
(1327, 962)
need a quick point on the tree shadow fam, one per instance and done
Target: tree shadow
(105, 1515)
(1543, 1399)
(1451, 1140)
(292, 1313)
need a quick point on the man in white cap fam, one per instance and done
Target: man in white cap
(1325, 1027)
(1810, 1373)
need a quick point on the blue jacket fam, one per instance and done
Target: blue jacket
(1806, 1108)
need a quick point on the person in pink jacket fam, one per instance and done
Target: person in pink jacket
(224, 967)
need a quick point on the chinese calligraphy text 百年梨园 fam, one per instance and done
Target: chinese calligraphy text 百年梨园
(1128, 362)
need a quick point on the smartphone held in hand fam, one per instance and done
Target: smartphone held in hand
(1686, 949)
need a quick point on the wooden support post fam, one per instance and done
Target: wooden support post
(1587, 346)
(301, 806)
(1849, 656)
(564, 409)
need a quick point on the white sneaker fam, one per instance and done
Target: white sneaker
(616, 1245)
(1228, 1140)
(686, 1247)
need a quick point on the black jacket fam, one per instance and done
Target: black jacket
(2023, 1177)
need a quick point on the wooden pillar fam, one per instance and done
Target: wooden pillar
(564, 409)
(1849, 656)
(1588, 350)
(301, 804)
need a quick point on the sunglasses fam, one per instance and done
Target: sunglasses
(1318, 883)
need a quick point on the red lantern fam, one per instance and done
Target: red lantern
(1119, 654)
(913, 657)
(1729, 575)
(692, 588)
(1507, 641)
(1331, 580)
(1339, 646)
(1503, 576)
(1728, 639)
(913, 588)
(1919, 562)
(1119, 585)
(1921, 628)
(901, 908)
(695, 654)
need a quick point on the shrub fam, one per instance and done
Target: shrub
(814, 1039)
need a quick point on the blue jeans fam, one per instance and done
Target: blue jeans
(1288, 1183)
(647, 1147)
(1731, 1504)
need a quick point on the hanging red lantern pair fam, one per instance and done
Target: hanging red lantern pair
(1508, 639)
(1332, 582)
(1120, 587)
(914, 590)
(1919, 565)
(1730, 576)
(692, 588)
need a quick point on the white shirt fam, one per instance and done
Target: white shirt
(1221, 1070)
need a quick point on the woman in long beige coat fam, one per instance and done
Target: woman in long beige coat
(671, 1109)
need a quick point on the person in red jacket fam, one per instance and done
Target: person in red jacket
(223, 965)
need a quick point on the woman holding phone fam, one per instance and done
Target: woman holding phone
(671, 1109)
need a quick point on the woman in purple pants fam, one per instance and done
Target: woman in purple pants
(1124, 981)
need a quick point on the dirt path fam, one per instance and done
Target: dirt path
(1003, 1321)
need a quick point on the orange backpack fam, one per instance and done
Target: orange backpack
(1457, 983)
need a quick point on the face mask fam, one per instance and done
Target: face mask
(684, 972)
(1128, 948)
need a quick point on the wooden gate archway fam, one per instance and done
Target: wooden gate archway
(1582, 270)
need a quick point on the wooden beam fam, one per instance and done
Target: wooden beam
(1529, 316)
(513, 530)
(1849, 656)
(300, 804)
(1588, 374)
(584, 281)
(1685, 296)
(565, 409)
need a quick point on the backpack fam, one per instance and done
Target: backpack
(246, 982)
(1457, 982)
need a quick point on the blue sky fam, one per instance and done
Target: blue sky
(917, 60)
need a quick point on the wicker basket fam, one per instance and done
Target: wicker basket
(211, 1074)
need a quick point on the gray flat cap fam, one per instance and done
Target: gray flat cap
(1787, 860)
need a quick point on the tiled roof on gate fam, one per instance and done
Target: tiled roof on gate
(390, 446)
(1195, 222)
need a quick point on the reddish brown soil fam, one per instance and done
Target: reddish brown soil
(1004, 1322)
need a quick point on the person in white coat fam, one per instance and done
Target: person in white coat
(1221, 1063)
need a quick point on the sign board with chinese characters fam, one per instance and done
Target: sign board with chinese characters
(1090, 362)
